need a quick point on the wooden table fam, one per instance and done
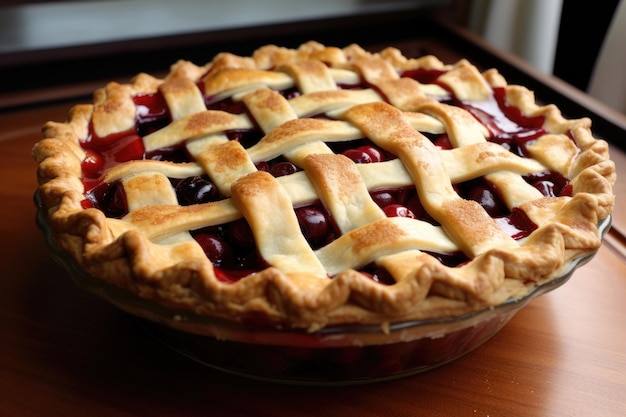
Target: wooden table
(64, 352)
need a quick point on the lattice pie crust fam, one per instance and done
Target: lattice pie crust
(151, 251)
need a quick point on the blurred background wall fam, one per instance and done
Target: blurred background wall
(527, 28)
(583, 43)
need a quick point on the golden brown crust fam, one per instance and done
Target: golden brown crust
(151, 252)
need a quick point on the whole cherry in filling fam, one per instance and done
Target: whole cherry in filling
(481, 191)
(231, 249)
(196, 190)
(315, 225)
(364, 154)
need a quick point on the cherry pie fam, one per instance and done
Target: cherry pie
(319, 186)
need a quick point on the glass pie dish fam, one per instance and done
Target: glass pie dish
(335, 355)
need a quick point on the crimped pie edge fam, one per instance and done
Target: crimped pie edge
(189, 282)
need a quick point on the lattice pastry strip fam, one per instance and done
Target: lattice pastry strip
(231, 81)
(223, 160)
(194, 126)
(339, 185)
(182, 97)
(387, 236)
(276, 230)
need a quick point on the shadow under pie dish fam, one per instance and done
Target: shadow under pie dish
(304, 190)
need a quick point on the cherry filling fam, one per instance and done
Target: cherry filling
(316, 225)
(109, 198)
(507, 125)
(424, 76)
(232, 250)
(151, 113)
(402, 202)
(550, 184)
(103, 153)
(231, 247)
(195, 190)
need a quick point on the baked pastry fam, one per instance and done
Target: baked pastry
(318, 186)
